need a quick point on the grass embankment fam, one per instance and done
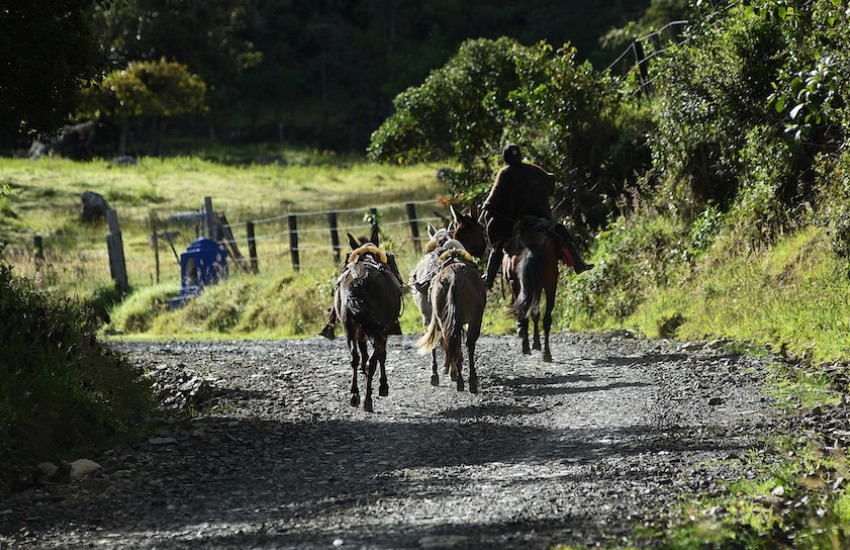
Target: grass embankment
(792, 298)
(794, 295)
(61, 392)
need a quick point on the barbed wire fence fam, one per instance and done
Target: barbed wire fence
(300, 240)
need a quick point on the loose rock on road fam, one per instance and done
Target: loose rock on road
(577, 451)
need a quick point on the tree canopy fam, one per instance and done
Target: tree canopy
(48, 49)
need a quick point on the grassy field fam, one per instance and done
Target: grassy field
(45, 199)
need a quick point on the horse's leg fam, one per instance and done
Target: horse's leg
(447, 361)
(457, 359)
(364, 356)
(384, 387)
(522, 332)
(471, 338)
(355, 365)
(435, 378)
(373, 361)
(535, 318)
(547, 319)
(448, 367)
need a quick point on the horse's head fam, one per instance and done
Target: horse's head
(437, 238)
(468, 230)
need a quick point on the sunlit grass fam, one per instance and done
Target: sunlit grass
(793, 295)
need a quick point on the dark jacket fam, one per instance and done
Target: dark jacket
(519, 190)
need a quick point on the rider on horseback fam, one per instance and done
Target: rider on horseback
(522, 191)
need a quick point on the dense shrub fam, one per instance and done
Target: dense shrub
(59, 387)
(563, 114)
(713, 91)
(458, 113)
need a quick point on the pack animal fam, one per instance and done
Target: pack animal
(424, 272)
(367, 302)
(457, 297)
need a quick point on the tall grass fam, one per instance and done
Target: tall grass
(45, 200)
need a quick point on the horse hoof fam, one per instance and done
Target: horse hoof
(526, 350)
(454, 376)
(355, 399)
(367, 405)
(384, 391)
(536, 346)
(460, 385)
(435, 379)
(473, 387)
(547, 357)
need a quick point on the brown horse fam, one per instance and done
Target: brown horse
(530, 266)
(457, 297)
(469, 231)
(367, 301)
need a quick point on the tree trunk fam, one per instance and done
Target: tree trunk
(122, 139)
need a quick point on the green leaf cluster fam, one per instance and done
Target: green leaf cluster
(492, 92)
(148, 89)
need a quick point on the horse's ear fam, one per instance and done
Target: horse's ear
(352, 242)
(374, 238)
(455, 214)
(473, 211)
(431, 231)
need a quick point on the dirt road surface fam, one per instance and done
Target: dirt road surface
(578, 451)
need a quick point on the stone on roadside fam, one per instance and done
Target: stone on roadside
(83, 467)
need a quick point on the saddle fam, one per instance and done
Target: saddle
(368, 252)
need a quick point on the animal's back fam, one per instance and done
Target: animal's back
(370, 297)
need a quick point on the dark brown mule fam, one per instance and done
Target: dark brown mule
(530, 266)
(367, 301)
(469, 231)
(457, 298)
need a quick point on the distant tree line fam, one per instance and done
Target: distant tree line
(322, 73)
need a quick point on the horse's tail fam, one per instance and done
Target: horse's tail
(531, 276)
(431, 337)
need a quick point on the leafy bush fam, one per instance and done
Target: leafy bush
(457, 113)
(835, 198)
(59, 387)
(768, 190)
(497, 91)
(713, 91)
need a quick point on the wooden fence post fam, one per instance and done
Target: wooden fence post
(332, 221)
(155, 246)
(293, 241)
(252, 246)
(39, 251)
(208, 218)
(115, 247)
(414, 226)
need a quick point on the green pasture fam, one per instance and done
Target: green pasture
(278, 301)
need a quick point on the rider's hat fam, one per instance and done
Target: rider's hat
(511, 154)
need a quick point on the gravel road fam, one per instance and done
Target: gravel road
(577, 451)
